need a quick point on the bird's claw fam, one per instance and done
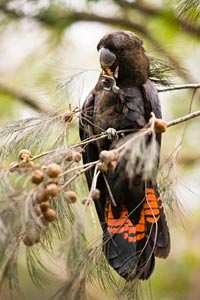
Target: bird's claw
(112, 133)
(109, 83)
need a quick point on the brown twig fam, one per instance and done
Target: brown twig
(93, 185)
(184, 118)
(178, 87)
(103, 135)
(109, 191)
(135, 137)
(77, 175)
(141, 132)
(43, 154)
(78, 168)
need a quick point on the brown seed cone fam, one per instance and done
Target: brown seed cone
(44, 206)
(70, 197)
(69, 156)
(49, 215)
(53, 170)
(32, 237)
(37, 176)
(27, 241)
(68, 116)
(77, 156)
(52, 189)
(160, 125)
(95, 194)
(24, 154)
(108, 156)
(42, 195)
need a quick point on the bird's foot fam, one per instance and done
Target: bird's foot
(112, 133)
(109, 83)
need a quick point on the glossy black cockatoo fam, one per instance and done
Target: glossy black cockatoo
(129, 209)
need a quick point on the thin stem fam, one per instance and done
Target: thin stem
(77, 175)
(143, 132)
(186, 125)
(109, 191)
(93, 185)
(184, 118)
(79, 167)
(178, 87)
(43, 154)
(103, 135)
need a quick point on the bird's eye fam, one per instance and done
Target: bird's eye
(122, 48)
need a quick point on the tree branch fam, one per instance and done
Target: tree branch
(184, 118)
(63, 18)
(178, 87)
(23, 97)
(78, 174)
(156, 11)
(152, 10)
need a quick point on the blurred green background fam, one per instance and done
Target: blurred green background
(44, 42)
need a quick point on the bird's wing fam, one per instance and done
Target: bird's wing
(152, 101)
(159, 229)
(152, 104)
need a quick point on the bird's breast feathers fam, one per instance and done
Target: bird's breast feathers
(122, 111)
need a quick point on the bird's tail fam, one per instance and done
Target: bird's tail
(131, 248)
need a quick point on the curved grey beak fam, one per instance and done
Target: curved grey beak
(107, 58)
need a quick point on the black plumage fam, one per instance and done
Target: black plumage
(134, 226)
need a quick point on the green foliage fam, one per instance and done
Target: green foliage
(189, 10)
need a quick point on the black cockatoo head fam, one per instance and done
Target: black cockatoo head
(122, 53)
